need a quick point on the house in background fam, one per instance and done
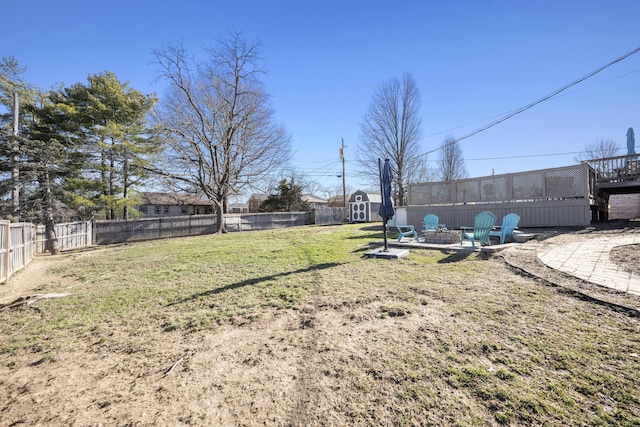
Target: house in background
(238, 208)
(254, 202)
(315, 202)
(171, 204)
(338, 201)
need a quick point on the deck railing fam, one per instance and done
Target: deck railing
(616, 169)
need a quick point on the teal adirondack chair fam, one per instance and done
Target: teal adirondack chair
(431, 222)
(405, 230)
(482, 225)
(509, 223)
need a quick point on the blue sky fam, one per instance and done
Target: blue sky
(473, 61)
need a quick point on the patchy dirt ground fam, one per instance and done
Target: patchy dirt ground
(627, 257)
(277, 370)
(523, 259)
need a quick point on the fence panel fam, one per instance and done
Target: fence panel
(108, 232)
(544, 184)
(265, 221)
(16, 247)
(71, 235)
(328, 216)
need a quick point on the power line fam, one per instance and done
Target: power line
(534, 103)
(527, 156)
(508, 112)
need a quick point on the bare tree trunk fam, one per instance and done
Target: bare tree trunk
(103, 175)
(47, 209)
(15, 171)
(392, 130)
(125, 187)
(220, 219)
(112, 165)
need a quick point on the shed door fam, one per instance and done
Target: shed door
(359, 211)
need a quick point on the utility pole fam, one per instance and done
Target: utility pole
(15, 171)
(344, 187)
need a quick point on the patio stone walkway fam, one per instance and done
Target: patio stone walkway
(588, 259)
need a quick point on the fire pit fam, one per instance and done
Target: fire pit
(441, 236)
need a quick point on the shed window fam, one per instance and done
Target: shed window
(156, 209)
(143, 209)
(166, 209)
(184, 210)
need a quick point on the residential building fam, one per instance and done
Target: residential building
(315, 202)
(338, 201)
(238, 208)
(172, 204)
(254, 202)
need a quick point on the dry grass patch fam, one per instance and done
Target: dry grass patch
(296, 327)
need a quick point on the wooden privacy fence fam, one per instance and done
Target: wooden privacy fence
(132, 230)
(329, 216)
(17, 247)
(570, 182)
(107, 232)
(71, 235)
(553, 197)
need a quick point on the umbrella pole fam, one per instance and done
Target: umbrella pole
(384, 227)
(384, 219)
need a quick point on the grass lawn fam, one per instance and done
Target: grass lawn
(296, 327)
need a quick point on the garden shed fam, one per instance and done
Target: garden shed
(363, 206)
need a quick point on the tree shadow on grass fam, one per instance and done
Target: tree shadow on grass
(454, 256)
(376, 236)
(255, 281)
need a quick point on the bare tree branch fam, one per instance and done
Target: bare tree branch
(218, 122)
(451, 164)
(392, 130)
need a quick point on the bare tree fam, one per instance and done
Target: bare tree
(598, 149)
(451, 164)
(218, 122)
(391, 129)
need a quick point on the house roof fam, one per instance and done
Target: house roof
(339, 197)
(311, 198)
(258, 197)
(173, 199)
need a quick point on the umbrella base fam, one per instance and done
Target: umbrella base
(391, 253)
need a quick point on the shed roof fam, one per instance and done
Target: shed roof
(372, 196)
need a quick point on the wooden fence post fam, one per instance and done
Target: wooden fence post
(7, 245)
(24, 244)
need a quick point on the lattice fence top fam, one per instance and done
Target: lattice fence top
(544, 184)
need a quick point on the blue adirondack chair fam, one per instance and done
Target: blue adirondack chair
(405, 230)
(509, 223)
(431, 222)
(482, 225)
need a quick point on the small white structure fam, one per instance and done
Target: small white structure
(363, 206)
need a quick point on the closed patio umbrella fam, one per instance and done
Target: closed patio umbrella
(386, 210)
(631, 142)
